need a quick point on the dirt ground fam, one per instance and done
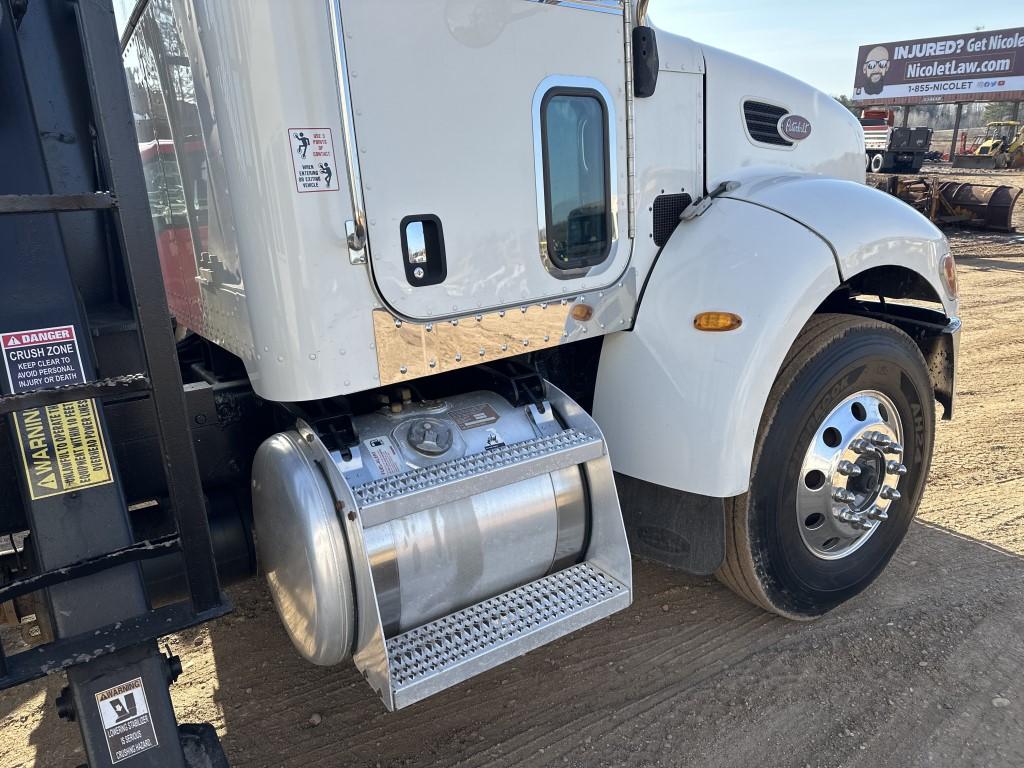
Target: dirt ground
(925, 669)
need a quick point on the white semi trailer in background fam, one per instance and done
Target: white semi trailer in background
(532, 285)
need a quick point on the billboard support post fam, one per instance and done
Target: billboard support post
(956, 130)
(1016, 111)
(906, 115)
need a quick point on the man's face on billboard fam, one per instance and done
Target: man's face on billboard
(876, 65)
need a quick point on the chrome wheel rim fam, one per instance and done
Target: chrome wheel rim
(849, 477)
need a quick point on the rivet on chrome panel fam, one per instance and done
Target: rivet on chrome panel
(543, 305)
(504, 347)
(430, 327)
(455, 321)
(482, 353)
(526, 342)
(433, 363)
(479, 318)
(547, 337)
(403, 369)
(398, 323)
(523, 310)
(458, 357)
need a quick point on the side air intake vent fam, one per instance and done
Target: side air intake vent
(763, 123)
(667, 210)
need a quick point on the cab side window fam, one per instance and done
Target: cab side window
(577, 184)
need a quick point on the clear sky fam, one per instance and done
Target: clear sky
(817, 41)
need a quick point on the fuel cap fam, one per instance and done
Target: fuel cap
(431, 437)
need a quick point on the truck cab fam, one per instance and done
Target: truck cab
(531, 286)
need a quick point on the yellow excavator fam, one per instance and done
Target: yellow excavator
(1001, 147)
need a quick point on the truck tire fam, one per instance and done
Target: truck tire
(867, 161)
(792, 548)
(877, 161)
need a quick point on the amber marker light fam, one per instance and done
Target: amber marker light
(582, 312)
(717, 321)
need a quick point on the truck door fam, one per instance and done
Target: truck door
(492, 148)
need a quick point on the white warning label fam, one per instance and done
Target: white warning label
(313, 159)
(124, 711)
(386, 459)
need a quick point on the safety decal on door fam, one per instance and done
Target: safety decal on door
(127, 724)
(313, 159)
(62, 446)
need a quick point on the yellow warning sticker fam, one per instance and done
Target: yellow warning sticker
(62, 448)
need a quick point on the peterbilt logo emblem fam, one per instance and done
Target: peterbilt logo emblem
(795, 127)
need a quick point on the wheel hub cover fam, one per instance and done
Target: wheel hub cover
(850, 473)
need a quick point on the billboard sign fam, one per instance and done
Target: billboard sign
(980, 66)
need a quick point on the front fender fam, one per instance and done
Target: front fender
(681, 407)
(865, 227)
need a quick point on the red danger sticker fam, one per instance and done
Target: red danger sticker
(42, 358)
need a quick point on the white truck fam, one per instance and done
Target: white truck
(530, 286)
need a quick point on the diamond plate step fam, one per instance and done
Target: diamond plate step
(426, 487)
(445, 652)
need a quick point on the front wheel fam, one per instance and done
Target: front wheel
(839, 468)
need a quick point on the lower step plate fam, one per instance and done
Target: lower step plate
(445, 652)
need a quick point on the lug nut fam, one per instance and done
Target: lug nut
(874, 513)
(843, 515)
(880, 439)
(893, 448)
(844, 496)
(895, 468)
(848, 468)
(854, 519)
(890, 493)
(860, 445)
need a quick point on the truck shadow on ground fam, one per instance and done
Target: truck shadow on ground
(689, 675)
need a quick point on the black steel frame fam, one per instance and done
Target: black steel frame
(94, 652)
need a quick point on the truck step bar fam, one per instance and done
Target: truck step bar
(445, 652)
(421, 488)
